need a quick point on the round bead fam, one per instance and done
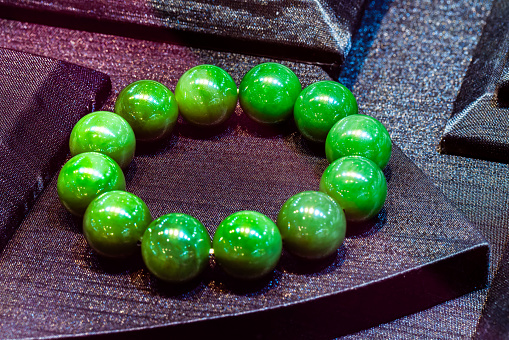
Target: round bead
(357, 185)
(359, 135)
(320, 105)
(104, 132)
(149, 107)
(176, 247)
(206, 95)
(247, 245)
(114, 222)
(267, 93)
(312, 225)
(86, 176)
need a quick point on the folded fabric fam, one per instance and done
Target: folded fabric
(479, 124)
(493, 322)
(418, 252)
(311, 30)
(480, 130)
(40, 100)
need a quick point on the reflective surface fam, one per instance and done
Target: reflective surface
(247, 245)
(206, 95)
(312, 225)
(86, 176)
(267, 93)
(357, 184)
(149, 107)
(384, 72)
(320, 105)
(114, 222)
(359, 135)
(104, 132)
(176, 247)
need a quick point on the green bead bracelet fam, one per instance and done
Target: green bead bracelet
(247, 244)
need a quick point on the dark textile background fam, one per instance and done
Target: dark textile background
(40, 99)
(211, 174)
(480, 121)
(313, 30)
(406, 68)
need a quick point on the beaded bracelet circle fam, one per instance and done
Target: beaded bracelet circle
(247, 244)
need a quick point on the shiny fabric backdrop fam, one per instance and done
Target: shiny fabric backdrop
(36, 93)
(312, 30)
(406, 68)
(479, 125)
(419, 252)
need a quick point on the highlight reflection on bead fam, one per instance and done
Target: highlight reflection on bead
(267, 93)
(149, 107)
(114, 223)
(312, 225)
(175, 248)
(357, 184)
(359, 135)
(104, 132)
(86, 176)
(320, 105)
(247, 245)
(206, 95)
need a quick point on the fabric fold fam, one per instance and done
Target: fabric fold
(317, 31)
(480, 119)
(41, 99)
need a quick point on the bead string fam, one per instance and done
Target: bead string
(247, 244)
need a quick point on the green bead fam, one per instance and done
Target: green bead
(320, 105)
(114, 223)
(206, 95)
(357, 185)
(312, 225)
(86, 176)
(361, 136)
(104, 132)
(149, 107)
(176, 247)
(267, 93)
(247, 245)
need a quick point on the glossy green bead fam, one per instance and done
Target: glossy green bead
(357, 185)
(247, 245)
(114, 223)
(176, 247)
(320, 105)
(312, 225)
(104, 132)
(268, 92)
(149, 107)
(86, 176)
(206, 95)
(359, 135)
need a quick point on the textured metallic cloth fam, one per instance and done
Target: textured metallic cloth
(480, 120)
(35, 95)
(406, 67)
(418, 240)
(312, 30)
